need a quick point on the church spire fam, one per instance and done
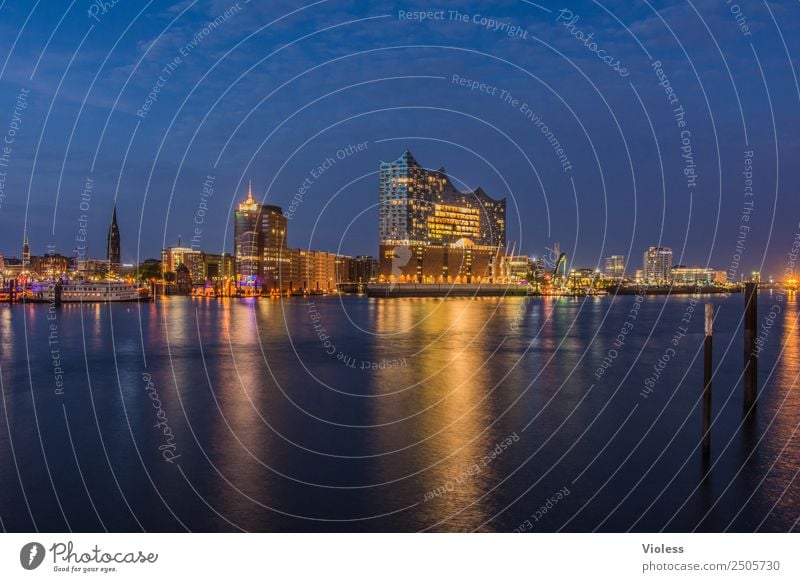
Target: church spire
(114, 242)
(26, 251)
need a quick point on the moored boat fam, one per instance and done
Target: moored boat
(90, 292)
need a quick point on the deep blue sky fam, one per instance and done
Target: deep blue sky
(280, 86)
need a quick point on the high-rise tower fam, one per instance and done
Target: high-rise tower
(657, 265)
(114, 243)
(259, 242)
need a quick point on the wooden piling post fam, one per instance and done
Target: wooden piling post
(708, 372)
(750, 354)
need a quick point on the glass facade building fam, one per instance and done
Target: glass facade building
(421, 206)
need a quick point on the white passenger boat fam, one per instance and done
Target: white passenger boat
(91, 292)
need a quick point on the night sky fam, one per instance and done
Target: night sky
(272, 89)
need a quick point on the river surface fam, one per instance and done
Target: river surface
(357, 414)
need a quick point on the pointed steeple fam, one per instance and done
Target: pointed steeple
(26, 251)
(114, 242)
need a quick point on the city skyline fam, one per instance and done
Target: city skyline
(274, 212)
(623, 200)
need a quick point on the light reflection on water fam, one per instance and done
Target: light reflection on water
(380, 414)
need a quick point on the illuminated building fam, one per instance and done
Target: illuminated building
(519, 267)
(92, 267)
(583, 277)
(218, 266)
(697, 276)
(201, 267)
(247, 240)
(430, 231)
(50, 265)
(259, 242)
(462, 262)
(657, 265)
(183, 280)
(303, 270)
(174, 257)
(273, 229)
(615, 267)
(421, 206)
(114, 255)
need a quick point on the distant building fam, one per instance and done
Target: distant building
(247, 240)
(26, 253)
(698, 276)
(519, 267)
(615, 267)
(50, 265)
(462, 262)
(202, 267)
(12, 267)
(218, 266)
(363, 269)
(174, 257)
(259, 242)
(657, 265)
(430, 231)
(303, 270)
(114, 255)
(87, 268)
(421, 206)
(183, 280)
(538, 267)
(583, 277)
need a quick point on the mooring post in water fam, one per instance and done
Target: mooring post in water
(750, 354)
(707, 373)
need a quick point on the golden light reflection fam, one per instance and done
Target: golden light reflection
(442, 412)
(782, 440)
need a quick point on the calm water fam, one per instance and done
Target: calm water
(395, 429)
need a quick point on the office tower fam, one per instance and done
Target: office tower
(248, 247)
(114, 259)
(657, 265)
(259, 234)
(273, 232)
(615, 267)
